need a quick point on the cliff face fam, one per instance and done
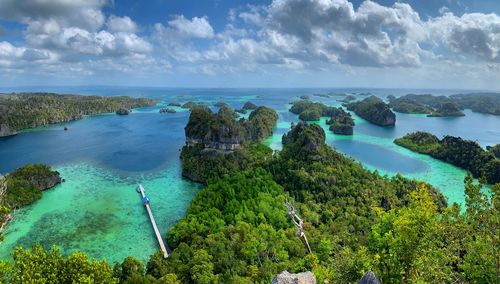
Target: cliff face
(6, 131)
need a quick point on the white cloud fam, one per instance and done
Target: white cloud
(194, 28)
(474, 34)
(121, 24)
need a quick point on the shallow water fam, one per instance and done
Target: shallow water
(103, 158)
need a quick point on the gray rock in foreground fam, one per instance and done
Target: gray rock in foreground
(369, 278)
(286, 277)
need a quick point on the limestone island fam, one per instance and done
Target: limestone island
(373, 110)
(217, 141)
(340, 121)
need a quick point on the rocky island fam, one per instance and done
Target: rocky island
(373, 110)
(217, 143)
(462, 153)
(447, 109)
(20, 111)
(340, 121)
(407, 105)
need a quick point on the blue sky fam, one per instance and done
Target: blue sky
(280, 43)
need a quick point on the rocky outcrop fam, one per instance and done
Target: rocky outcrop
(6, 131)
(174, 104)
(286, 277)
(167, 110)
(123, 111)
(189, 105)
(249, 106)
(47, 181)
(369, 278)
(342, 129)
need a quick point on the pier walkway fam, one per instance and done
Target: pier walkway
(145, 201)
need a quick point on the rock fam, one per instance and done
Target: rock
(65, 129)
(189, 105)
(6, 131)
(46, 182)
(174, 104)
(342, 129)
(369, 278)
(123, 111)
(286, 277)
(305, 97)
(249, 105)
(167, 110)
(220, 104)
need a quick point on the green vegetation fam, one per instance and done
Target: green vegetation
(29, 110)
(456, 151)
(494, 150)
(405, 105)
(237, 230)
(22, 187)
(373, 110)
(447, 109)
(341, 124)
(340, 121)
(488, 103)
(310, 115)
(479, 102)
(25, 185)
(218, 144)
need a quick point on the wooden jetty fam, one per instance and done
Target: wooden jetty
(145, 201)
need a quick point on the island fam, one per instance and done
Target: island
(488, 103)
(340, 121)
(249, 106)
(407, 105)
(19, 111)
(218, 144)
(447, 109)
(373, 110)
(462, 153)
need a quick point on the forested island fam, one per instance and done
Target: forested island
(456, 151)
(218, 143)
(453, 105)
(22, 187)
(340, 121)
(20, 111)
(373, 110)
(238, 228)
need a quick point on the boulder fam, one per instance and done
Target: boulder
(123, 111)
(286, 277)
(174, 104)
(369, 278)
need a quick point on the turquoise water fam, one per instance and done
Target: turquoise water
(103, 158)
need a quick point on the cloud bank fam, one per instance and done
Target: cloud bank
(290, 35)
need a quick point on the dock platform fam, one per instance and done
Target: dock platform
(145, 201)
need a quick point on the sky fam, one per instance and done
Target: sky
(438, 44)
